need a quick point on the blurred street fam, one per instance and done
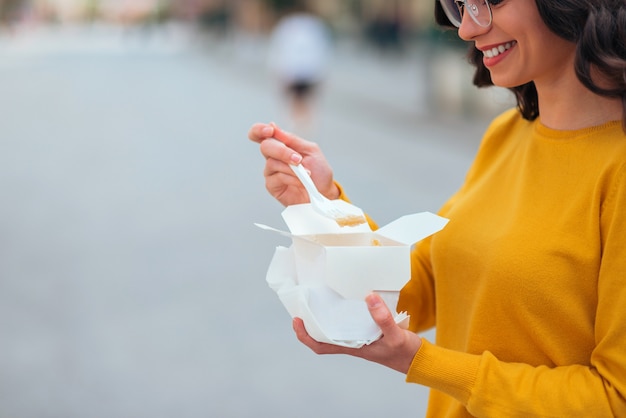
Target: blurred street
(132, 278)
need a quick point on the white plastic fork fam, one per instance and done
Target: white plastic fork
(344, 215)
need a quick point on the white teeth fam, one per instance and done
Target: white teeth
(494, 52)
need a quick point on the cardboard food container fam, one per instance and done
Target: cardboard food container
(326, 273)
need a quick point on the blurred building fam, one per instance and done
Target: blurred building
(379, 18)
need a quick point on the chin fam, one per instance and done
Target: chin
(506, 82)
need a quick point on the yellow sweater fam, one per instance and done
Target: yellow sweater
(526, 285)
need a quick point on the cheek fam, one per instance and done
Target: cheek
(542, 58)
(517, 69)
(556, 59)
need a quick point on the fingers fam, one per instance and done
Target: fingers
(395, 349)
(300, 145)
(276, 143)
(380, 313)
(282, 149)
(317, 347)
(274, 149)
(260, 131)
(284, 146)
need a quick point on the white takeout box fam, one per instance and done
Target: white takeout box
(327, 272)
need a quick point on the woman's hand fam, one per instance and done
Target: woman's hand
(282, 148)
(395, 349)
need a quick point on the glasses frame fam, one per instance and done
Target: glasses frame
(461, 5)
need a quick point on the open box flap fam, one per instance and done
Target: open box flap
(410, 229)
(269, 228)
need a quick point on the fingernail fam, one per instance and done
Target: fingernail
(372, 300)
(296, 158)
(267, 131)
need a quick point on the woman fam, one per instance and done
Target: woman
(526, 284)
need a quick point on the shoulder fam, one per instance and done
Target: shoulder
(502, 129)
(509, 120)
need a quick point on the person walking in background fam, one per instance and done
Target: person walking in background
(299, 55)
(526, 284)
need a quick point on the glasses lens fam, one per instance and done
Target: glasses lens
(452, 11)
(480, 11)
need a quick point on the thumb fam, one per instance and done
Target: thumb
(381, 314)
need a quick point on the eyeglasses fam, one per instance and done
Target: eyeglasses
(479, 11)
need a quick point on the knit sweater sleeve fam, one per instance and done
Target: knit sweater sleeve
(489, 387)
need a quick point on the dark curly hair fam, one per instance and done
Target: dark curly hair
(597, 27)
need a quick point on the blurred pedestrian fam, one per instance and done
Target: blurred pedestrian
(299, 55)
(527, 283)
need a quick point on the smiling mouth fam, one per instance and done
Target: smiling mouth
(497, 50)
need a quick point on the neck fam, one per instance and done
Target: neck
(566, 104)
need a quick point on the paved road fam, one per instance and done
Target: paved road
(131, 275)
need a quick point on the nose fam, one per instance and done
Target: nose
(470, 29)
